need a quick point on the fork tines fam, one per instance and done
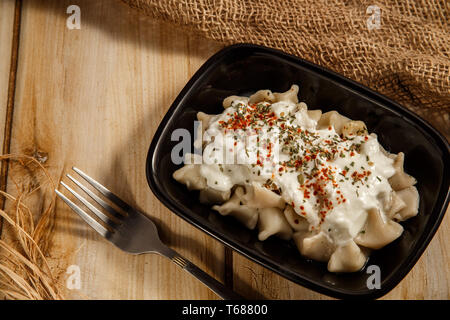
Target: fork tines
(112, 220)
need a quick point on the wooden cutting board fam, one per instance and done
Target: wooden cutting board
(93, 98)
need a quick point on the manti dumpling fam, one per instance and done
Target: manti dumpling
(189, 175)
(400, 180)
(314, 245)
(347, 258)
(236, 207)
(261, 197)
(333, 119)
(272, 222)
(377, 233)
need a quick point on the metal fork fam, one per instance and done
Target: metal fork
(134, 232)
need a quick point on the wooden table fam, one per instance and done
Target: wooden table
(93, 98)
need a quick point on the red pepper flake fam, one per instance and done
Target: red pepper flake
(306, 194)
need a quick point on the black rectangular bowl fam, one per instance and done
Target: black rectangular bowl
(241, 70)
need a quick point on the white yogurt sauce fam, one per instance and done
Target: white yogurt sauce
(332, 191)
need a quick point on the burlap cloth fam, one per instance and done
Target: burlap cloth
(405, 58)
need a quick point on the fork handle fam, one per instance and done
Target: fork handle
(217, 287)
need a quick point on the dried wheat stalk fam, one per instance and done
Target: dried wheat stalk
(24, 270)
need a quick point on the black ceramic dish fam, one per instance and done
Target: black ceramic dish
(241, 70)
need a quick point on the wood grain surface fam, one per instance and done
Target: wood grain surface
(93, 98)
(6, 37)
